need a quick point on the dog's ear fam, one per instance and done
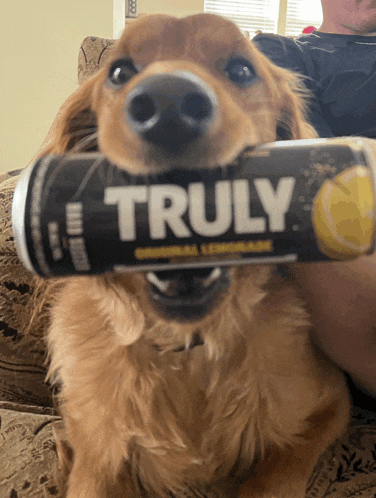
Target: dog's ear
(293, 96)
(283, 128)
(75, 126)
(287, 95)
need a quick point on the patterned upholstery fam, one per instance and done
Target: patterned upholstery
(93, 54)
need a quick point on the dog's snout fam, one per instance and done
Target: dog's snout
(187, 294)
(171, 110)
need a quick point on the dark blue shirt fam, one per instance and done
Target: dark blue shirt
(341, 73)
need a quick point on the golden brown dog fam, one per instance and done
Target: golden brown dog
(146, 412)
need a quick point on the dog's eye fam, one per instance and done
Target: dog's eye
(121, 72)
(240, 71)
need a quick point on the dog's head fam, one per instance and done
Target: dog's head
(188, 93)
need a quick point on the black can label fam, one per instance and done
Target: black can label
(281, 202)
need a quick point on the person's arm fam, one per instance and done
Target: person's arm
(342, 300)
(341, 296)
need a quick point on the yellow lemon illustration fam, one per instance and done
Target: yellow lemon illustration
(343, 214)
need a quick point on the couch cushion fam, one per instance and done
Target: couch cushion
(28, 459)
(22, 351)
(93, 54)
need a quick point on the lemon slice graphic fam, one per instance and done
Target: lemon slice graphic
(343, 214)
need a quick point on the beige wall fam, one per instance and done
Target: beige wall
(39, 41)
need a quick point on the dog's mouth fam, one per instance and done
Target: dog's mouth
(187, 294)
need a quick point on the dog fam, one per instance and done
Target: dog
(196, 382)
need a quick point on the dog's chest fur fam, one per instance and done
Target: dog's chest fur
(195, 416)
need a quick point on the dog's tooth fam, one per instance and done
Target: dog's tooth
(162, 285)
(188, 339)
(214, 275)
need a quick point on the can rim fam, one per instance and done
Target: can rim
(18, 217)
(364, 143)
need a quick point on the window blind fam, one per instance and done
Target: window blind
(249, 15)
(262, 15)
(302, 13)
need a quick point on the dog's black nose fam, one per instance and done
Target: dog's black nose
(171, 110)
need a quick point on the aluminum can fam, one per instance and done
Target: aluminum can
(302, 200)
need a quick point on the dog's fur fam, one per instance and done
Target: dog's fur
(256, 403)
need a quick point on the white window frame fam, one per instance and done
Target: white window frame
(118, 19)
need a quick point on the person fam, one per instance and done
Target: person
(338, 64)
